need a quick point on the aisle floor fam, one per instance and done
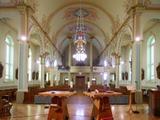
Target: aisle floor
(79, 108)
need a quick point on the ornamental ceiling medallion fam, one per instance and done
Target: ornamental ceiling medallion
(87, 13)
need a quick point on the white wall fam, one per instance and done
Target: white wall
(125, 51)
(156, 32)
(5, 30)
(35, 55)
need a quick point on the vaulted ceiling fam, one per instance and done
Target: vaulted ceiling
(58, 18)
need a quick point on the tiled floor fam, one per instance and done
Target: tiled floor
(79, 108)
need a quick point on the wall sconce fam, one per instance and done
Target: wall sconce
(137, 38)
(23, 38)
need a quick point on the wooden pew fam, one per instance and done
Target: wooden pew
(9, 94)
(5, 107)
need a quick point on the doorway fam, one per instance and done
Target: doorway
(80, 83)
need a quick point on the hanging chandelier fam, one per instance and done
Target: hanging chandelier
(80, 38)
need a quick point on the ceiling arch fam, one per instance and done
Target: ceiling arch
(58, 31)
(96, 33)
(72, 23)
(66, 41)
(104, 23)
(51, 16)
(55, 22)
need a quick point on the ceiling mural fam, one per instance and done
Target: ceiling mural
(86, 28)
(74, 12)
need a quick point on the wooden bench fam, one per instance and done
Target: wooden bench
(5, 107)
(9, 94)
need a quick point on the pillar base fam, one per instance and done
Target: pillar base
(138, 97)
(19, 97)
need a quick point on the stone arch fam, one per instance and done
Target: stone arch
(126, 29)
(39, 33)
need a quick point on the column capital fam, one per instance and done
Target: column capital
(117, 58)
(116, 55)
(24, 8)
(23, 41)
(44, 55)
(136, 8)
(138, 42)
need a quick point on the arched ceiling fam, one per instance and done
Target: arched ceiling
(58, 18)
(61, 18)
(94, 32)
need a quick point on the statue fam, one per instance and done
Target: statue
(37, 75)
(1, 70)
(16, 73)
(126, 75)
(158, 71)
(123, 75)
(142, 74)
(33, 75)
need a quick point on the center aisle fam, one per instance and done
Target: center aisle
(79, 107)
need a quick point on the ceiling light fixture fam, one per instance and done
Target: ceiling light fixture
(80, 38)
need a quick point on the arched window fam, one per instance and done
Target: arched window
(39, 69)
(9, 57)
(130, 64)
(30, 65)
(150, 57)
